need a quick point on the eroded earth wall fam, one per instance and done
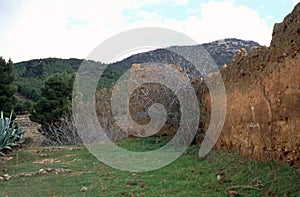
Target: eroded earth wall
(263, 98)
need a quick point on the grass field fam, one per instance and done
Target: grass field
(189, 175)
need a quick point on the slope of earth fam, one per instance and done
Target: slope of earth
(263, 98)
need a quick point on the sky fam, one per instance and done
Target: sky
(32, 29)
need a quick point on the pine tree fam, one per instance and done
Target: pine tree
(7, 89)
(55, 101)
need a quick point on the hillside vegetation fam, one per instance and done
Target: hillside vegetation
(31, 75)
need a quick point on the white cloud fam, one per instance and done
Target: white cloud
(224, 19)
(63, 28)
(71, 28)
(217, 20)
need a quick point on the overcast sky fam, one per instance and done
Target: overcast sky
(73, 28)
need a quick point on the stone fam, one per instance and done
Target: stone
(83, 189)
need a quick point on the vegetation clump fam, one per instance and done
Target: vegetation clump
(10, 134)
(7, 88)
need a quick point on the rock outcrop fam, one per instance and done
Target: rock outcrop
(31, 129)
(263, 98)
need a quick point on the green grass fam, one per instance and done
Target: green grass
(189, 175)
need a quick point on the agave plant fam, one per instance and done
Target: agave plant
(10, 134)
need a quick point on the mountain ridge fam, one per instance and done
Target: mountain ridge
(31, 74)
(221, 51)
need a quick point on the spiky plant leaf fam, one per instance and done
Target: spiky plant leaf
(10, 134)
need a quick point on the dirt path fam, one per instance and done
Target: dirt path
(31, 129)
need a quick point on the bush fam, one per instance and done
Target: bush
(61, 132)
(23, 107)
(55, 101)
(10, 134)
(7, 88)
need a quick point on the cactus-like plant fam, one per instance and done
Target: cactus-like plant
(10, 133)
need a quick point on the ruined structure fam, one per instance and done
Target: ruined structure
(263, 98)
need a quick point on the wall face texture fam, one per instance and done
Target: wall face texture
(263, 98)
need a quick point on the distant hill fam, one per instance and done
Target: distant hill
(46, 67)
(32, 74)
(221, 51)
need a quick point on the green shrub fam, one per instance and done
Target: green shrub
(10, 134)
(55, 101)
(23, 107)
(7, 88)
